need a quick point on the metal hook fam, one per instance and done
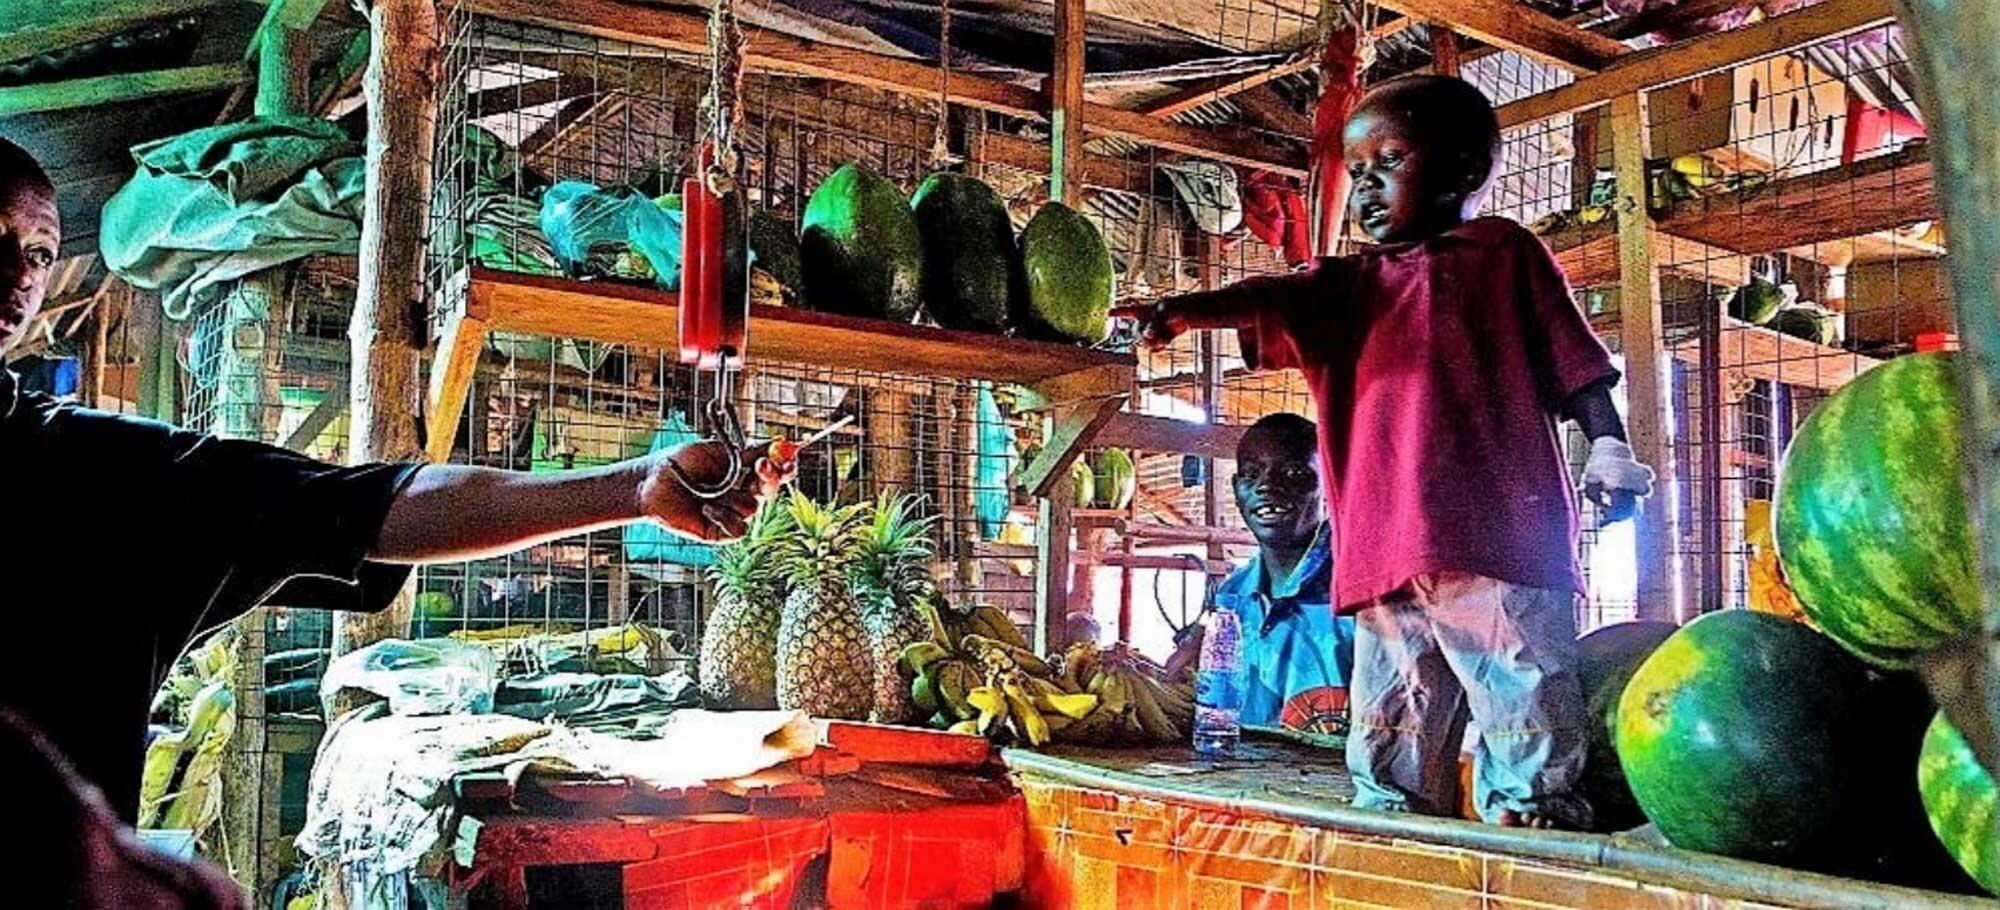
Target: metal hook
(720, 412)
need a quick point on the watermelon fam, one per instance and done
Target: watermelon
(1605, 660)
(435, 605)
(1117, 478)
(1068, 277)
(1808, 322)
(1904, 850)
(859, 249)
(1758, 301)
(971, 272)
(1738, 736)
(1872, 526)
(1960, 801)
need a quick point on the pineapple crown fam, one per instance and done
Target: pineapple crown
(896, 545)
(821, 542)
(752, 560)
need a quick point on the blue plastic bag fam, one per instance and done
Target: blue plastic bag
(590, 230)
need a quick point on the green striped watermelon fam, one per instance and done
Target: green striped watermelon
(1959, 797)
(1738, 736)
(1605, 661)
(1872, 525)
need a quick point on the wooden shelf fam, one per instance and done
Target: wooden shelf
(1589, 256)
(1764, 353)
(1867, 197)
(618, 314)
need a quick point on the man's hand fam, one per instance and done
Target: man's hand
(1614, 479)
(664, 499)
(1159, 325)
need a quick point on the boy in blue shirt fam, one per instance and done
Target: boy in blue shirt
(1299, 655)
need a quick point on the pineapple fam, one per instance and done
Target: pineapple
(890, 575)
(824, 666)
(739, 646)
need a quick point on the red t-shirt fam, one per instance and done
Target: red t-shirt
(1438, 370)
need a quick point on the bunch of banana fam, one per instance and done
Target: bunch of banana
(1134, 704)
(986, 681)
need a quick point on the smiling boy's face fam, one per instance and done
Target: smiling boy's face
(1277, 489)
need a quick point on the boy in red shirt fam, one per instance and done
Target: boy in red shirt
(1439, 361)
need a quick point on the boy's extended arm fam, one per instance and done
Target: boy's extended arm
(1229, 307)
(455, 512)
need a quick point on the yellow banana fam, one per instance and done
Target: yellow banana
(1004, 654)
(919, 655)
(967, 727)
(1028, 721)
(1112, 692)
(991, 705)
(955, 680)
(1074, 707)
(1151, 717)
(998, 625)
(1099, 727)
(1057, 722)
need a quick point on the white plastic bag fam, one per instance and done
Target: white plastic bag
(428, 677)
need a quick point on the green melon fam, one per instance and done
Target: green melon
(1960, 799)
(1808, 322)
(1117, 478)
(971, 269)
(1757, 301)
(859, 249)
(1068, 277)
(1871, 517)
(1085, 481)
(1605, 661)
(1738, 736)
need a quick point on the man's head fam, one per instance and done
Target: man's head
(1277, 482)
(30, 234)
(1420, 152)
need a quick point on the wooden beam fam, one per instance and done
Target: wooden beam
(1052, 559)
(384, 390)
(1264, 106)
(461, 339)
(776, 51)
(1102, 171)
(1648, 380)
(510, 98)
(1064, 89)
(1510, 25)
(37, 27)
(122, 87)
(319, 418)
(1206, 90)
(1165, 434)
(1445, 58)
(1699, 56)
(1958, 64)
(1073, 430)
(1872, 195)
(1680, 14)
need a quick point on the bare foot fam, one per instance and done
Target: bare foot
(1512, 819)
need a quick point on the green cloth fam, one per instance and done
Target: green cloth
(211, 206)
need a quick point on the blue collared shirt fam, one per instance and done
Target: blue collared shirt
(1300, 656)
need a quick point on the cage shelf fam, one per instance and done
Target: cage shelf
(1865, 198)
(617, 314)
(1763, 353)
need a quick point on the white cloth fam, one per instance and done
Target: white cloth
(1611, 466)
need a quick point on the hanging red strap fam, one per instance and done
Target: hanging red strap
(1340, 75)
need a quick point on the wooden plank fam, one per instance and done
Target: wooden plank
(1073, 430)
(1445, 57)
(776, 51)
(1648, 382)
(1271, 111)
(621, 314)
(1064, 89)
(1207, 90)
(1680, 14)
(322, 416)
(1165, 434)
(1867, 197)
(1052, 561)
(122, 87)
(906, 745)
(1510, 25)
(460, 341)
(38, 27)
(1700, 56)
(1761, 353)
(1590, 258)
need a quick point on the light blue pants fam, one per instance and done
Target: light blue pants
(1456, 644)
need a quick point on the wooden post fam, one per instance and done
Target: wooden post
(1957, 62)
(91, 391)
(1065, 103)
(401, 87)
(1052, 546)
(1648, 372)
(1444, 50)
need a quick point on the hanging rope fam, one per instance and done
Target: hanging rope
(722, 105)
(941, 138)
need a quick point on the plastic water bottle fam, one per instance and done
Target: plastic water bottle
(1219, 685)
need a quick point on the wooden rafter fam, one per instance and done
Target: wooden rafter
(771, 50)
(1208, 90)
(1519, 28)
(1699, 56)
(75, 93)
(1268, 109)
(48, 25)
(1064, 89)
(1666, 17)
